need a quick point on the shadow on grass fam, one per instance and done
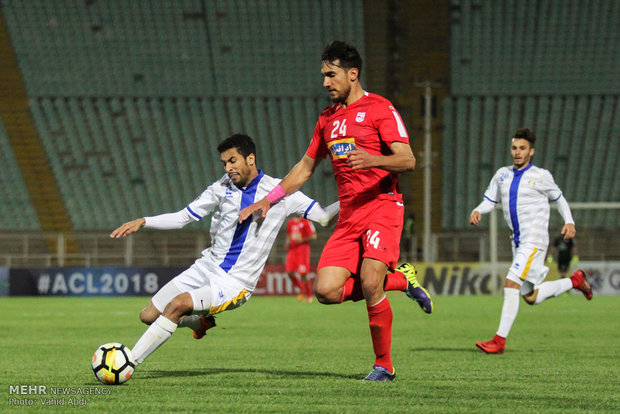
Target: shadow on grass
(471, 349)
(465, 350)
(223, 371)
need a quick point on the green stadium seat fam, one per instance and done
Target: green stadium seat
(542, 48)
(578, 139)
(18, 213)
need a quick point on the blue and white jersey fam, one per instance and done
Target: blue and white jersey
(241, 249)
(525, 196)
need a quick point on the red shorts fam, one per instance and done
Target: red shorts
(372, 230)
(298, 260)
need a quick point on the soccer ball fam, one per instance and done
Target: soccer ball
(113, 363)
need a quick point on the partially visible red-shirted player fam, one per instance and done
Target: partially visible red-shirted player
(368, 144)
(299, 233)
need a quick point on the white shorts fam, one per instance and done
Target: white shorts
(211, 289)
(528, 265)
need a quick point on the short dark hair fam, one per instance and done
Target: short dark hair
(526, 134)
(242, 142)
(347, 55)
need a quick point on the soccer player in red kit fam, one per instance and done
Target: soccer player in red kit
(368, 144)
(299, 233)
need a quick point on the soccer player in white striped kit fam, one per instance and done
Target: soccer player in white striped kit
(226, 274)
(525, 191)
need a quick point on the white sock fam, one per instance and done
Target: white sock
(190, 321)
(153, 338)
(509, 311)
(551, 289)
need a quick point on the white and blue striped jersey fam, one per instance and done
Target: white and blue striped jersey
(241, 249)
(525, 196)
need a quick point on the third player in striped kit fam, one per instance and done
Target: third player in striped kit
(525, 191)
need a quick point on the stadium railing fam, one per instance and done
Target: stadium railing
(181, 248)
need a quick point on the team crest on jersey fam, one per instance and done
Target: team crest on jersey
(360, 117)
(531, 183)
(228, 193)
(340, 148)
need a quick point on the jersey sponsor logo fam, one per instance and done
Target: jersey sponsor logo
(360, 117)
(340, 148)
(229, 193)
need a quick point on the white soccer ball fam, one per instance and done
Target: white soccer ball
(113, 363)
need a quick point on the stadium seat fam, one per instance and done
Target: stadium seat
(576, 135)
(491, 41)
(17, 211)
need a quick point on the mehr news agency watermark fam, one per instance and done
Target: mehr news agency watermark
(44, 395)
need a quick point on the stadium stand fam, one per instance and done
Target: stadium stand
(177, 49)
(13, 193)
(122, 157)
(549, 66)
(578, 139)
(131, 98)
(538, 47)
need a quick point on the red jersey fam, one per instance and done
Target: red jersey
(297, 229)
(298, 257)
(371, 123)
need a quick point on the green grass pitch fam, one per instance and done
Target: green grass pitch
(279, 355)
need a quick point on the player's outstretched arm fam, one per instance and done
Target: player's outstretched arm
(128, 228)
(167, 221)
(300, 173)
